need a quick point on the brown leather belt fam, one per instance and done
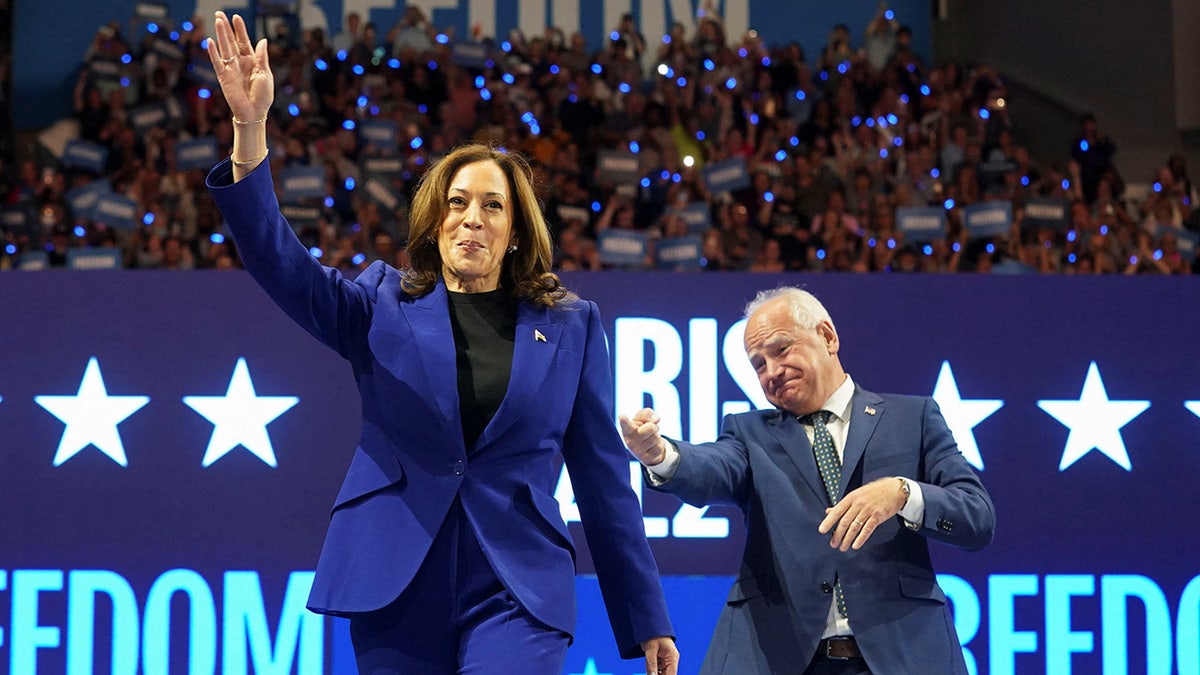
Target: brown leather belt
(841, 647)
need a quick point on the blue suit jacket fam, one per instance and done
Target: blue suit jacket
(411, 462)
(776, 612)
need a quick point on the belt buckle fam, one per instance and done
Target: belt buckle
(829, 643)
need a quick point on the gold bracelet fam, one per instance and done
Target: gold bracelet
(248, 162)
(246, 124)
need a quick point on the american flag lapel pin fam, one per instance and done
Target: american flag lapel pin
(869, 410)
(537, 335)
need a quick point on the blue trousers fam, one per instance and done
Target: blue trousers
(456, 618)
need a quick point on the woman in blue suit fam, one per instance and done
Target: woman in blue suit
(476, 369)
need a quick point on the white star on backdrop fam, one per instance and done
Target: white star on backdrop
(1095, 421)
(590, 668)
(1194, 406)
(240, 417)
(962, 414)
(91, 417)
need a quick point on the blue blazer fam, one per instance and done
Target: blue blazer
(776, 611)
(411, 462)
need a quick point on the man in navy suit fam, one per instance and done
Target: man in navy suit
(841, 489)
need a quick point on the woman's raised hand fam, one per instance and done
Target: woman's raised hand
(242, 69)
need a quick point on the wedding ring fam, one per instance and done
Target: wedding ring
(227, 60)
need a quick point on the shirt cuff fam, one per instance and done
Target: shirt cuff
(913, 512)
(664, 470)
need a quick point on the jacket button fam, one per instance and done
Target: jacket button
(826, 587)
(459, 467)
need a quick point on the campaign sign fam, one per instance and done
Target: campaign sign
(678, 253)
(167, 49)
(1010, 266)
(470, 54)
(1045, 212)
(32, 261)
(106, 68)
(988, 219)
(82, 200)
(146, 117)
(1185, 241)
(921, 224)
(174, 109)
(727, 175)
(990, 171)
(622, 248)
(201, 71)
(85, 155)
(383, 166)
(379, 133)
(697, 215)
(152, 11)
(569, 212)
(381, 192)
(614, 166)
(301, 182)
(115, 210)
(198, 153)
(14, 218)
(300, 216)
(94, 258)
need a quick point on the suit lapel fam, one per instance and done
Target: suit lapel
(429, 318)
(866, 409)
(793, 442)
(535, 343)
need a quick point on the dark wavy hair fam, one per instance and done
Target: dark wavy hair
(524, 272)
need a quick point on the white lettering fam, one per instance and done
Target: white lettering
(1045, 211)
(634, 382)
(622, 245)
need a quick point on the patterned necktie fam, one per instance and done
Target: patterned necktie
(830, 467)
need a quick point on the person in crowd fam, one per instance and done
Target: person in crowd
(842, 490)
(476, 368)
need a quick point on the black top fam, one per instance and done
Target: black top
(484, 326)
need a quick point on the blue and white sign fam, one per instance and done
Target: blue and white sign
(384, 166)
(94, 258)
(618, 167)
(678, 253)
(82, 200)
(85, 155)
(988, 219)
(697, 215)
(1045, 212)
(14, 218)
(622, 248)
(380, 134)
(198, 153)
(727, 175)
(381, 192)
(300, 216)
(146, 117)
(473, 55)
(302, 182)
(116, 210)
(921, 224)
(1185, 241)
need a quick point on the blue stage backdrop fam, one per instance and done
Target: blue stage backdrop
(170, 445)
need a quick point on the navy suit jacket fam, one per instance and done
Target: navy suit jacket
(411, 462)
(777, 609)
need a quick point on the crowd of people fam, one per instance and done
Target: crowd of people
(837, 144)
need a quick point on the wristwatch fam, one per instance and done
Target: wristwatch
(907, 490)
